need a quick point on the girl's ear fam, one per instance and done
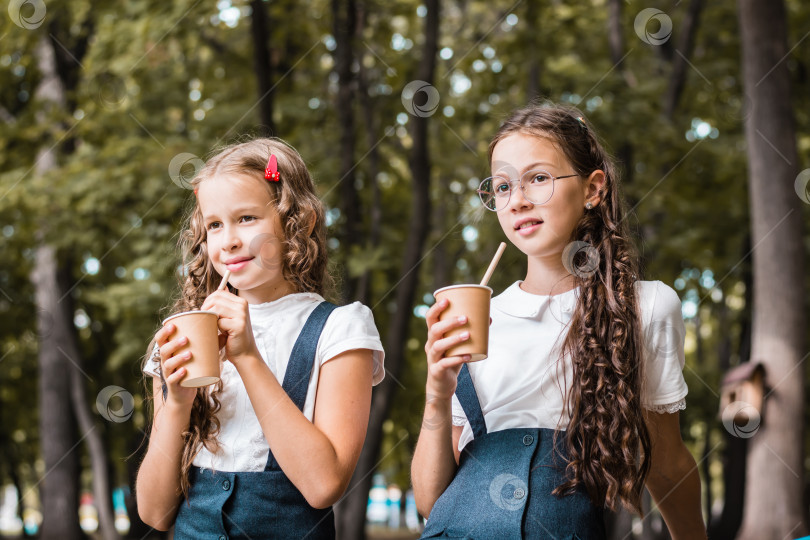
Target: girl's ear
(594, 187)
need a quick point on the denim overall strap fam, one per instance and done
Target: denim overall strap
(465, 392)
(302, 357)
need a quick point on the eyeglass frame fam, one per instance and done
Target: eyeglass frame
(511, 183)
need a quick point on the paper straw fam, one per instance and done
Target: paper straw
(494, 263)
(224, 281)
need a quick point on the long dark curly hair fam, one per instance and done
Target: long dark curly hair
(606, 438)
(303, 257)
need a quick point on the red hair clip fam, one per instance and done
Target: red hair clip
(271, 172)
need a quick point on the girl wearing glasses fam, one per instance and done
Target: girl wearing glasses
(575, 411)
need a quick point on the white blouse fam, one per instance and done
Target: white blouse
(276, 325)
(520, 384)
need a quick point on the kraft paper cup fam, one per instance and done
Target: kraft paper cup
(472, 301)
(200, 327)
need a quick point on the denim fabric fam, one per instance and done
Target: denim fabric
(503, 486)
(249, 506)
(465, 392)
(256, 505)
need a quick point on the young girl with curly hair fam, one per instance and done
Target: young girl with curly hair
(575, 410)
(265, 452)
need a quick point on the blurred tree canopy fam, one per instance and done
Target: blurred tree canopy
(156, 86)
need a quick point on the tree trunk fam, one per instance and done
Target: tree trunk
(344, 13)
(59, 486)
(353, 505)
(624, 154)
(726, 527)
(616, 41)
(748, 313)
(262, 64)
(677, 80)
(60, 373)
(705, 462)
(533, 47)
(615, 33)
(363, 293)
(647, 532)
(619, 525)
(442, 269)
(774, 488)
(653, 526)
(87, 426)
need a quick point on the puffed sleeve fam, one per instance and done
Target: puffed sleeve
(352, 327)
(664, 332)
(152, 365)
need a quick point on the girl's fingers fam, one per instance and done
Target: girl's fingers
(440, 346)
(442, 327)
(210, 304)
(432, 315)
(437, 344)
(232, 325)
(175, 377)
(169, 348)
(162, 335)
(223, 302)
(225, 324)
(452, 365)
(453, 361)
(175, 362)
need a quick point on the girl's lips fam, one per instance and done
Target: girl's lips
(235, 267)
(525, 231)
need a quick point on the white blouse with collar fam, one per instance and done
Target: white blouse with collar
(520, 383)
(276, 325)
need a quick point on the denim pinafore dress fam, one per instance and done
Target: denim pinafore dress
(503, 486)
(265, 504)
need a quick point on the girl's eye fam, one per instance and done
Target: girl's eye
(500, 187)
(539, 178)
(248, 218)
(213, 225)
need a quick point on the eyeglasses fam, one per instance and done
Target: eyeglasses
(537, 186)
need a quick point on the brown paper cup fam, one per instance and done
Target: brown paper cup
(200, 327)
(472, 301)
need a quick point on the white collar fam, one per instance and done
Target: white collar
(519, 303)
(271, 307)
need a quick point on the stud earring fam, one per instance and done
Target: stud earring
(589, 205)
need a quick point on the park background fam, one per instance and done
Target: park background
(107, 108)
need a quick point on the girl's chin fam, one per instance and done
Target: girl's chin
(536, 250)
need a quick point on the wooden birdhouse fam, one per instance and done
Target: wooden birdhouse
(744, 384)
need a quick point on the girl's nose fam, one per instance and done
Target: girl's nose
(518, 200)
(233, 243)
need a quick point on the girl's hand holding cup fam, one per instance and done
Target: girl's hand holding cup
(468, 300)
(172, 366)
(234, 323)
(443, 372)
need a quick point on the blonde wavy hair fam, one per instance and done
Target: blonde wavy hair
(303, 257)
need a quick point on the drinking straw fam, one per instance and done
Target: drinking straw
(494, 263)
(224, 281)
